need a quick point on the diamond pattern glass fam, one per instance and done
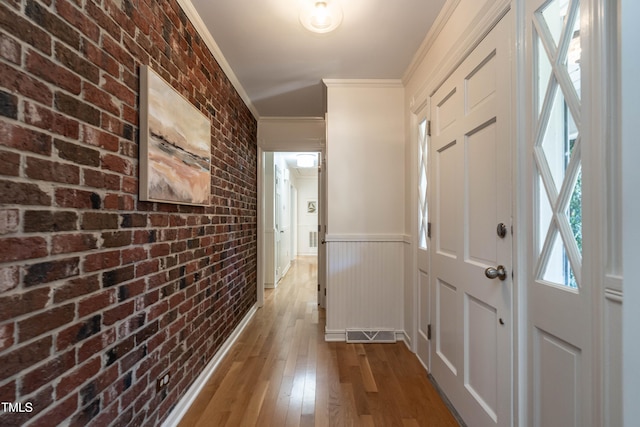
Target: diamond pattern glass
(557, 143)
(422, 185)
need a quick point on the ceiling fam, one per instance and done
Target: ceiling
(280, 65)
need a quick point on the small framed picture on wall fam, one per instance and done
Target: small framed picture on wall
(312, 207)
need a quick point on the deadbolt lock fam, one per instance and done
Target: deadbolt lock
(501, 230)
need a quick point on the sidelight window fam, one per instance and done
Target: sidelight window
(557, 150)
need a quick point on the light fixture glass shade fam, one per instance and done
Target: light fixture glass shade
(321, 16)
(305, 160)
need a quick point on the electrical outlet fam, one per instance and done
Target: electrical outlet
(162, 381)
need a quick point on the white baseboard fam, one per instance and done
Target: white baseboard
(335, 335)
(406, 338)
(192, 393)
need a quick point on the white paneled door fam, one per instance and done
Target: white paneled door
(471, 246)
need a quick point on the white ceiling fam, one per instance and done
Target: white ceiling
(280, 65)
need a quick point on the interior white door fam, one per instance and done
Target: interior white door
(322, 230)
(559, 301)
(472, 345)
(278, 223)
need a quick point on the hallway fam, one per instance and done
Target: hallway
(281, 372)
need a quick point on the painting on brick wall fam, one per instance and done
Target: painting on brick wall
(175, 145)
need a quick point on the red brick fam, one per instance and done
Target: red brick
(24, 139)
(98, 138)
(47, 372)
(46, 321)
(121, 311)
(96, 302)
(99, 98)
(14, 248)
(117, 164)
(79, 376)
(47, 119)
(50, 270)
(68, 243)
(43, 221)
(8, 392)
(22, 358)
(101, 180)
(94, 136)
(41, 67)
(129, 185)
(78, 332)
(9, 278)
(9, 221)
(101, 261)
(78, 19)
(119, 90)
(119, 202)
(75, 288)
(79, 199)
(133, 255)
(9, 163)
(57, 414)
(74, 107)
(99, 221)
(24, 29)
(95, 345)
(117, 52)
(6, 336)
(77, 153)
(116, 239)
(99, 57)
(10, 49)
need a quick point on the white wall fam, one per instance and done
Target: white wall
(366, 205)
(307, 222)
(365, 158)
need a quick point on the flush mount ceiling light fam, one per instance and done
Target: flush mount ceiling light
(305, 160)
(321, 16)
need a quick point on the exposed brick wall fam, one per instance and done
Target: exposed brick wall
(101, 293)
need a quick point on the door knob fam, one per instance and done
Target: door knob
(500, 272)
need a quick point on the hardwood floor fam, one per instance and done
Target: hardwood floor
(281, 372)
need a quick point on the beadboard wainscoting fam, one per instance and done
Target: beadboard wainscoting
(365, 276)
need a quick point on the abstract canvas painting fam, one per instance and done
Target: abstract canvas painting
(175, 145)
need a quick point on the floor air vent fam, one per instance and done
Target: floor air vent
(371, 335)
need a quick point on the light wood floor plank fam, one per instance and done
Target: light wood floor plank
(281, 372)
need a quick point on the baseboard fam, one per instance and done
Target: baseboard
(183, 405)
(335, 335)
(402, 336)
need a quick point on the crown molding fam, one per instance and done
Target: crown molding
(378, 83)
(433, 34)
(206, 36)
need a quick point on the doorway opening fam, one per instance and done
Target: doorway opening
(291, 212)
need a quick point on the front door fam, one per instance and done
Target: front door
(471, 251)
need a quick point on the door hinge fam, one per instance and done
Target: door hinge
(318, 287)
(325, 292)
(428, 127)
(429, 230)
(429, 331)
